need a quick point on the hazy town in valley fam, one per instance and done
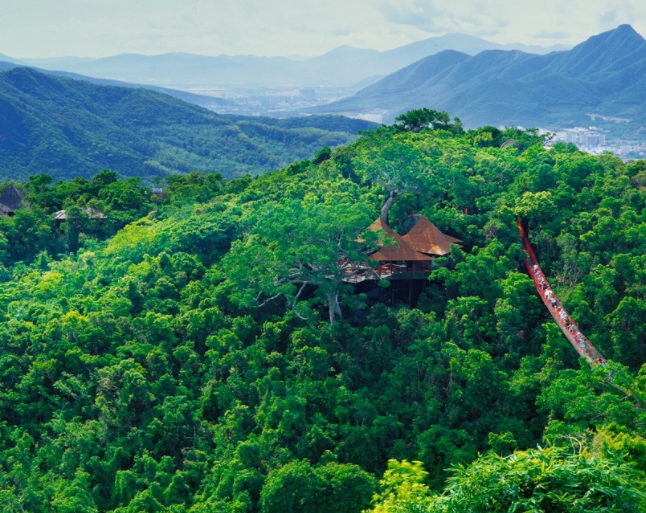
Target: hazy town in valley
(318, 257)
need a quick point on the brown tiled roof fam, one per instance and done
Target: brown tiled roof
(401, 251)
(427, 238)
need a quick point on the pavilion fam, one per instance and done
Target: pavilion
(410, 257)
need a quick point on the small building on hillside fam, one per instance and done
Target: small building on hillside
(411, 257)
(159, 193)
(11, 199)
(61, 215)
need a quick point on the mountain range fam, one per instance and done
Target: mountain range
(603, 76)
(67, 128)
(210, 102)
(341, 67)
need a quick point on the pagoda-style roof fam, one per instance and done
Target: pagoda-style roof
(10, 198)
(425, 237)
(401, 251)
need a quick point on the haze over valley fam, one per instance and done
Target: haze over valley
(550, 87)
(75, 127)
(268, 85)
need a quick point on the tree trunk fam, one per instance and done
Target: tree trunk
(386, 208)
(334, 308)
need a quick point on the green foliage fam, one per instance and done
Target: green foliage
(142, 367)
(544, 480)
(402, 489)
(419, 119)
(297, 487)
(301, 243)
(94, 209)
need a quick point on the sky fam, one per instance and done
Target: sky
(99, 28)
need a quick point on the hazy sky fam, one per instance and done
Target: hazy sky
(49, 28)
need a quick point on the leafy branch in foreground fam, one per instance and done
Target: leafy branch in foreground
(539, 480)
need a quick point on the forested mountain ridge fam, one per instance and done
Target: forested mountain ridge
(69, 128)
(179, 364)
(603, 75)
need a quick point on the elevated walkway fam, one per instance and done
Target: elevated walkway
(571, 331)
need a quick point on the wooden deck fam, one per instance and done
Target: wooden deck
(388, 271)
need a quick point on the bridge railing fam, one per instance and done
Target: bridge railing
(575, 336)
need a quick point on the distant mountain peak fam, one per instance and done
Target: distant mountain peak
(625, 27)
(497, 87)
(610, 48)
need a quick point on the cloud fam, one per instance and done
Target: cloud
(439, 17)
(609, 17)
(37, 28)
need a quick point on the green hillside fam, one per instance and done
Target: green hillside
(206, 357)
(69, 128)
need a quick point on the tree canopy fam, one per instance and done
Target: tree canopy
(145, 367)
(419, 119)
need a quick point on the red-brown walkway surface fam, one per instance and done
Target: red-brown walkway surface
(574, 335)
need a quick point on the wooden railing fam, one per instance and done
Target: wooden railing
(382, 272)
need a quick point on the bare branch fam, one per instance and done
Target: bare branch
(268, 299)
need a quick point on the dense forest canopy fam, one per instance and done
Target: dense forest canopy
(169, 358)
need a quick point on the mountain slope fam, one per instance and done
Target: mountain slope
(605, 74)
(68, 128)
(209, 102)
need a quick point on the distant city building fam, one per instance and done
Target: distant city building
(593, 140)
(586, 138)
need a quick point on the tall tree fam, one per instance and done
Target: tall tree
(394, 163)
(417, 120)
(316, 241)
